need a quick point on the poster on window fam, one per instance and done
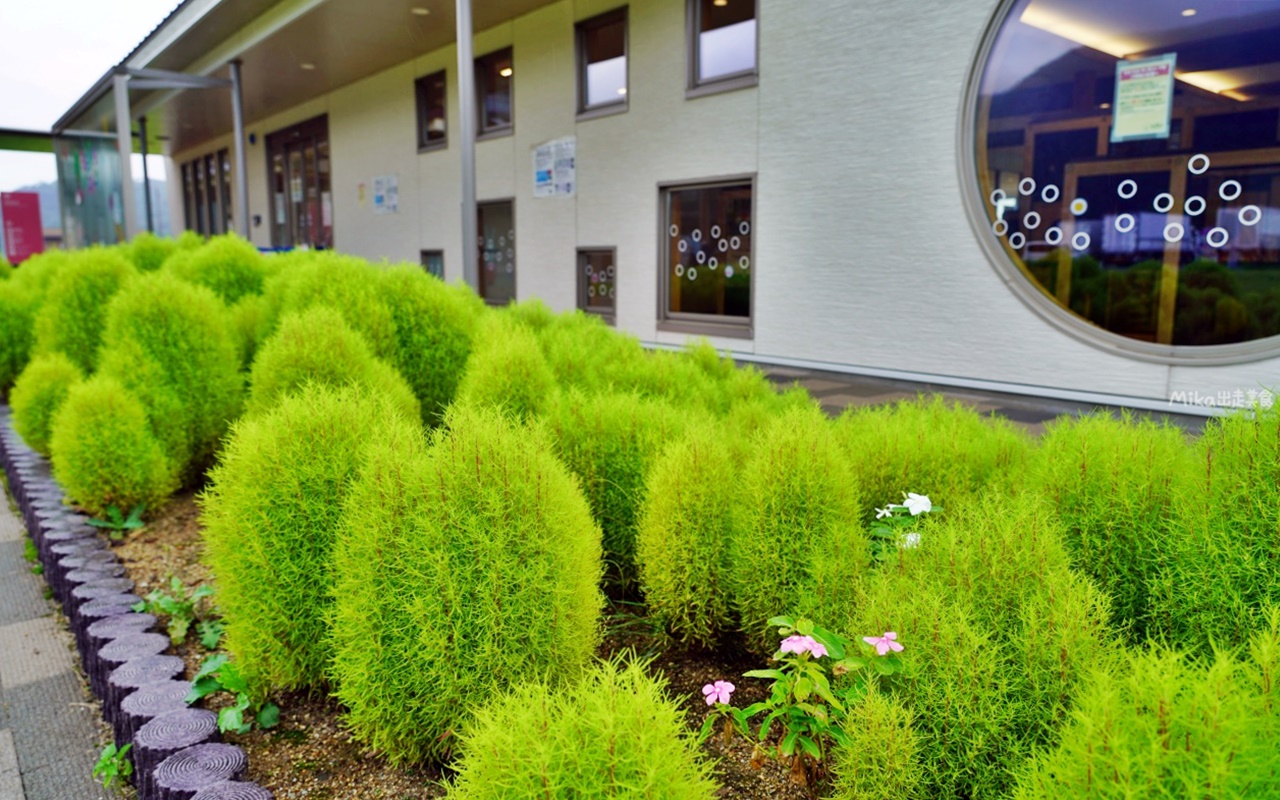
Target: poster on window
(555, 169)
(386, 194)
(1144, 98)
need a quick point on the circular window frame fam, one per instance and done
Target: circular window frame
(1023, 286)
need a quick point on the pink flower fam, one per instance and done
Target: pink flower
(883, 644)
(803, 644)
(718, 692)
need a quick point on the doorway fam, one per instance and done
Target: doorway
(301, 196)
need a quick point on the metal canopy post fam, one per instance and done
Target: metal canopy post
(146, 178)
(467, 113)
(124, 144)
(242, 171)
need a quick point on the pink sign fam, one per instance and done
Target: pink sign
(23, 233)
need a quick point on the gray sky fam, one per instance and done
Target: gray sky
(52, 52)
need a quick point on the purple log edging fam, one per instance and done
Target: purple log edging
(117, 653)
(147, 703)
(104, 630)
(188, 771)
(136, 674)
(90, 611)
(164, 736)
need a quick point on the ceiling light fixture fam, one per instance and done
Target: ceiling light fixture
(420, 11)
(307, 65)
(1188, 12)
(721, 3)
(505, 72)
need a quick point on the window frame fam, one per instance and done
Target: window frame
(515, 261)
(611, 315)
(421, 86)
(581, 30)
(423, 255)
(497, 131)
(696, 87)
(690, 322)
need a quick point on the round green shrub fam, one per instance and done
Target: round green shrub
(433, 336)
(17, 330)
(6, 269)
(316, 346)
(458, 573)
(881, 759)
(348, 285)
(171, 344)
(609, 441)
(1114, 484)
(686, 522)
(71, 319)
(103, 451)
(148, 252)
(37, 395)
(228, 265)
(246, 318)
(613, 734)
(797, 536)
(507, 370)
(37, 273)
(585, 353)
(270, 517)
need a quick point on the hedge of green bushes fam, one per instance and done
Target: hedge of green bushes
(424, 506)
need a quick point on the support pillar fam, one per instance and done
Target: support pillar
(124, 144)
(146, 178)
(242, 170)
(467, 116)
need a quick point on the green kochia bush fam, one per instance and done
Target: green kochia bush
(1114, 484)
(459, 572)
(1162, 725)
(609, 441)
(71, 319)
(614, 734)
(881, 760)
(348, 285)
(228, 265)
(928, 446)
(148, 252)
(17, 334)
(798, 542)
(507, 370)
(171, 344)
(686, 522)
(37, 395)
(270, 519)
(103, 451)
(316, 346)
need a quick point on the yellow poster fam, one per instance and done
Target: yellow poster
(1144, 98)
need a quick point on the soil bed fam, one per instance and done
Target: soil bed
(311, 754)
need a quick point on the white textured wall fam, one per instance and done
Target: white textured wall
(864, 255)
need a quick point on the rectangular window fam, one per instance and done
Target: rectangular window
(197, 169)
(188, 211)
(213, 194)
(596, 281)
(430, 91)
(224, 159)
(493, 93)
(497, 225)
(433, 262)
(707, 254)
(602, 62)
(722, 43)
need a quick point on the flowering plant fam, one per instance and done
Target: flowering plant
(889, 530)
(811, 711)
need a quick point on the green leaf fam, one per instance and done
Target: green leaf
(882, 666)
(804, 627)
(231, 719)
(802, 689)
(135, 517)
(139, 606)
(210, 633)
(705, 732)
(201, 686)
(211, 665)
(178, 627)
(810, 746)
(782, 622)
(268, 716)
(774, 674)
(834, 643)
(232, 680)
(788, 746)
(753, 709)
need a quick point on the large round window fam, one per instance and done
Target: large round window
(1128, 162)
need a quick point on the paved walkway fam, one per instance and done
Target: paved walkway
(48, 723)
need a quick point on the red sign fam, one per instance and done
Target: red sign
(23, 234)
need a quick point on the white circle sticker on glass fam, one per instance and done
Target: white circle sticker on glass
(744, 262)
(1230, 190)
(682, 246)
(744, 227)
(728, 271)
(674, 231)
(1050, 193)
(611, 291)
(1079, 206)
(724, 245)
(511, 268)
(1053, 235)
(1027, 186)
(588, 270)
(679, 270)
(712, 263)
(1080, 241)
(735, 243)
(997, 196)
(1125, 223)
(1163, 202)
(1249, 215)
(696, 235)
(1031, 221)
(691, 274)
(1000, 227)
(1194, 205)
(1198, 164)
(715, 231)
(609, 271)
(591, 291)
(1127, 189)
(511, 253)
(1173, 232)
(1217, 237)
(1017, 240)
(701, 257)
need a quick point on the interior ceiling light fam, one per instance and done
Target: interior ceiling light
(505, 72)
(307, 65)
(721, 3)
(420, 11)
(1188, 12)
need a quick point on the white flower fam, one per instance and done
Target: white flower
(918, 504)
(881, 513)
(909, 540)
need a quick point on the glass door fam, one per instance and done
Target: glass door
(302, 207)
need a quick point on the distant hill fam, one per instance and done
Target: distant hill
(51, 214)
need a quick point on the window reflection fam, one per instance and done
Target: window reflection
(602, 50)
(493, 84)
(1145, 200)
(726, 38)
(709, 234)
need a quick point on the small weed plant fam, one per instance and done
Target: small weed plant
(180, 606)
(113, 765)
(218, 674)
(812, 709)
(116, 523)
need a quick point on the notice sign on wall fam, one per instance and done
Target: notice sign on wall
(1144, 98)
(23, 233)
(555, 171)
(386, 194)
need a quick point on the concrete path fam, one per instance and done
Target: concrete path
(48, 722)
